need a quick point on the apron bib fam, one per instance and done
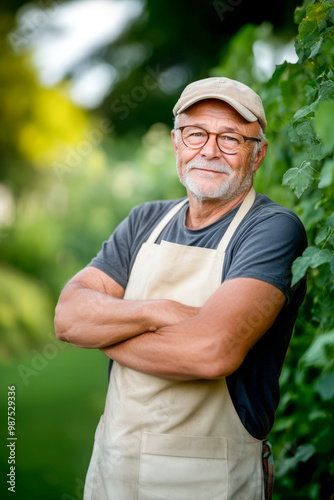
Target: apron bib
(162, 439)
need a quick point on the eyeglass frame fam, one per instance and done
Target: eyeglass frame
(245, 137)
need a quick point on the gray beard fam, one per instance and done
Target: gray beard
(226, 191)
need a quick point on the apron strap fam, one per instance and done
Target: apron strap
(164, 221)
(243, 209)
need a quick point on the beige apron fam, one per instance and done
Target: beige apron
(172, 440)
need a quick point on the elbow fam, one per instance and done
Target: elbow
(62, 329)
(211, 370)
(70, 328)
(216, 370)
(70, 319)
(217, 363)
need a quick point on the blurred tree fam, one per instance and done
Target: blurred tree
(169, 45)
(34, 122)
(182, 42)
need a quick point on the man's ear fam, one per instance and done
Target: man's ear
(174, 141)
(260, 156)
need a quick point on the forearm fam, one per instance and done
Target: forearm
(170, 352)
(213, 343)
(91, 319)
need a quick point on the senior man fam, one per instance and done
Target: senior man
(192, 300)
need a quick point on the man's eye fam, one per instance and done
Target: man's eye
(229, 138)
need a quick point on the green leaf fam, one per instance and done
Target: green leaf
(326, 91)
(331, 267)
(321, 236)
(316, 355)
(315, 14)
(302, 56)
(315, 49)
(326, 174)
(323, 124)
(303, 454)
(312, 257)
(325, 386)
(304, 111)
(327, 231)
(299, 178)
(292, 134)
(300, 11)
(330, 221)
(316, 150)
(304, 130)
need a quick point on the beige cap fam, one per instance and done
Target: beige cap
(242, 98)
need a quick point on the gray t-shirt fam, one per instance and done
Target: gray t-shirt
(263, 247)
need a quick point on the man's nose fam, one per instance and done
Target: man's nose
(210, 149)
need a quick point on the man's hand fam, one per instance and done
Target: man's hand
(92, 313)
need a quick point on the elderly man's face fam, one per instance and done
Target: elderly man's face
(207, 173)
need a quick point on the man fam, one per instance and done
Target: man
(192, 301)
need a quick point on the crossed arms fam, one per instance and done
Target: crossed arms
(164, 337)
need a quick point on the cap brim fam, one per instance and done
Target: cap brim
(248, 115)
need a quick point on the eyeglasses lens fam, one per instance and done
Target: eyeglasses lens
(195, 137)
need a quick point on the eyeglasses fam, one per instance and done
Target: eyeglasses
(229, 143)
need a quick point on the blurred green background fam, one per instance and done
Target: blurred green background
(86, 92)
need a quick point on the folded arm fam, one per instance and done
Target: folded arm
(163, 337)
(92, 313)
(212, 343)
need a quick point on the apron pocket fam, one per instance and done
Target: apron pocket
(182, 467)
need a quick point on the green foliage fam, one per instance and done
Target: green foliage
(302, 435)
(320, 353)
(299, 178)
(312, 257)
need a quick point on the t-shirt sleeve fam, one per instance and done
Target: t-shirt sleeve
(267, 250)
(114, 256)
(118, 253)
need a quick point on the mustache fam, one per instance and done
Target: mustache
(209, 165)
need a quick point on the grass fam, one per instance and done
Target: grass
(57, 410)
